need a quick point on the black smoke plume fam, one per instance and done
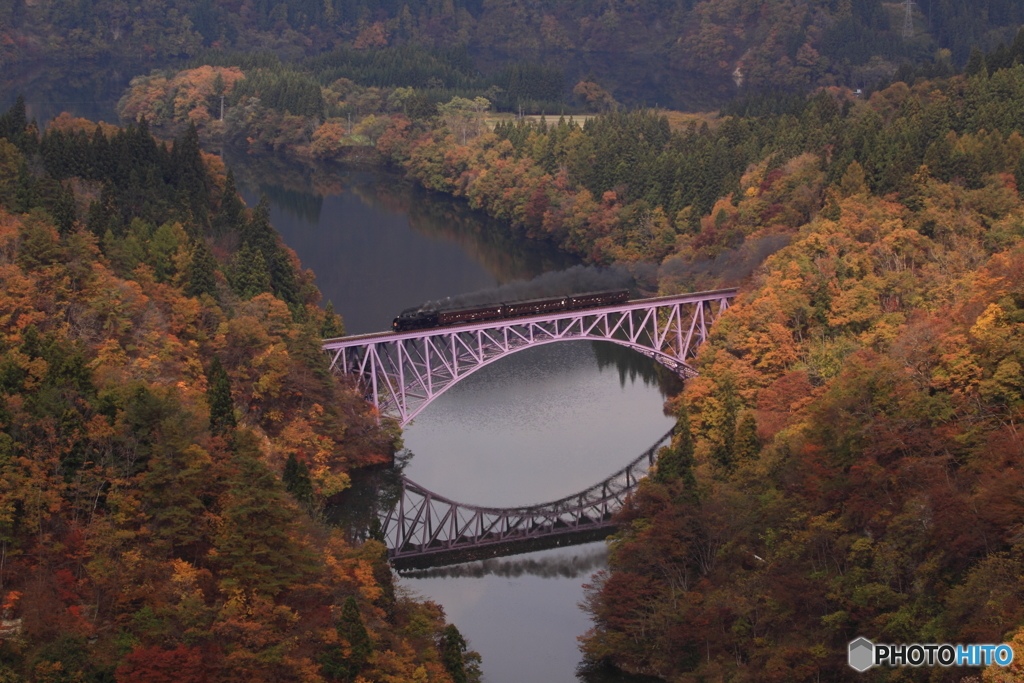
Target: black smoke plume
(574, 280)
(728, 269)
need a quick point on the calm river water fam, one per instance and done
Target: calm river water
(537, 426)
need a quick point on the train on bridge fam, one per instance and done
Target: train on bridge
(420, 318)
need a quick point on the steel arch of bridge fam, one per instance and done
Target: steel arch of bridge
(424, 523)
(403, 372)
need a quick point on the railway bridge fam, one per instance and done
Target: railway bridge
(403, 372)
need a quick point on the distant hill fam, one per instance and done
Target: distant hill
(758, 44)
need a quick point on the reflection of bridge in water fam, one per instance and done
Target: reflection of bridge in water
(425, 529)
(402, 373)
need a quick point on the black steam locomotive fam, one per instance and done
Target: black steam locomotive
(419, 318)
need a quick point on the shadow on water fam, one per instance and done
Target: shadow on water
(589, 672)
(373, 490)
(301, 205)
(632, 366)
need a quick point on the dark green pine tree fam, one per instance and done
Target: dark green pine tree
(100, 160)
(201, 276)
(262, 237)
(675, 463)
(172, 488)
(352, 632)
(251, 276)
(976, 63)
(333, 326)
(1018, 174)
(189, 171)
(453, 645)
(218, 395)
(26, 195)
(724, 452)
(103, 212)
(230, 216)
(748, 443)
(1017, 49)
(1000, 58)
(63, 209)
(13, 124)
(256, 546)
(296, 480)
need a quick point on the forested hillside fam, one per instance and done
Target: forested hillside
(848, 462)
(169, 433)
(777, 43)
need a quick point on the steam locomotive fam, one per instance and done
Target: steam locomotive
(418, 318)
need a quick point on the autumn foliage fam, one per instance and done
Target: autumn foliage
(149, 403)
(857, 453)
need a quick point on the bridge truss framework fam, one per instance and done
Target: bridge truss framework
(424, 523)
(402, 373)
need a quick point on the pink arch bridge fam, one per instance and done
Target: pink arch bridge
(403, 372)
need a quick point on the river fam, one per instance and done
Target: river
(534, 427)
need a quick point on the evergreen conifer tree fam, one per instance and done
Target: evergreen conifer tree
(190, 172)
(748, 443)
(202, 279)
(63, 209)
(453, 645)
(675, 462)
(296, 480)
(333, 326)
(335, 663)
(1017, 48)
(976, 63)
(218, 395)
(230, 213)
(262, 237)
(251, 276)
(256, 546)
(724, 452)
(26, 196)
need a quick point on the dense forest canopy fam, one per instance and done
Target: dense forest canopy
(169, 434)
(777, 43)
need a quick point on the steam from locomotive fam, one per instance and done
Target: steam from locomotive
(424, 317)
